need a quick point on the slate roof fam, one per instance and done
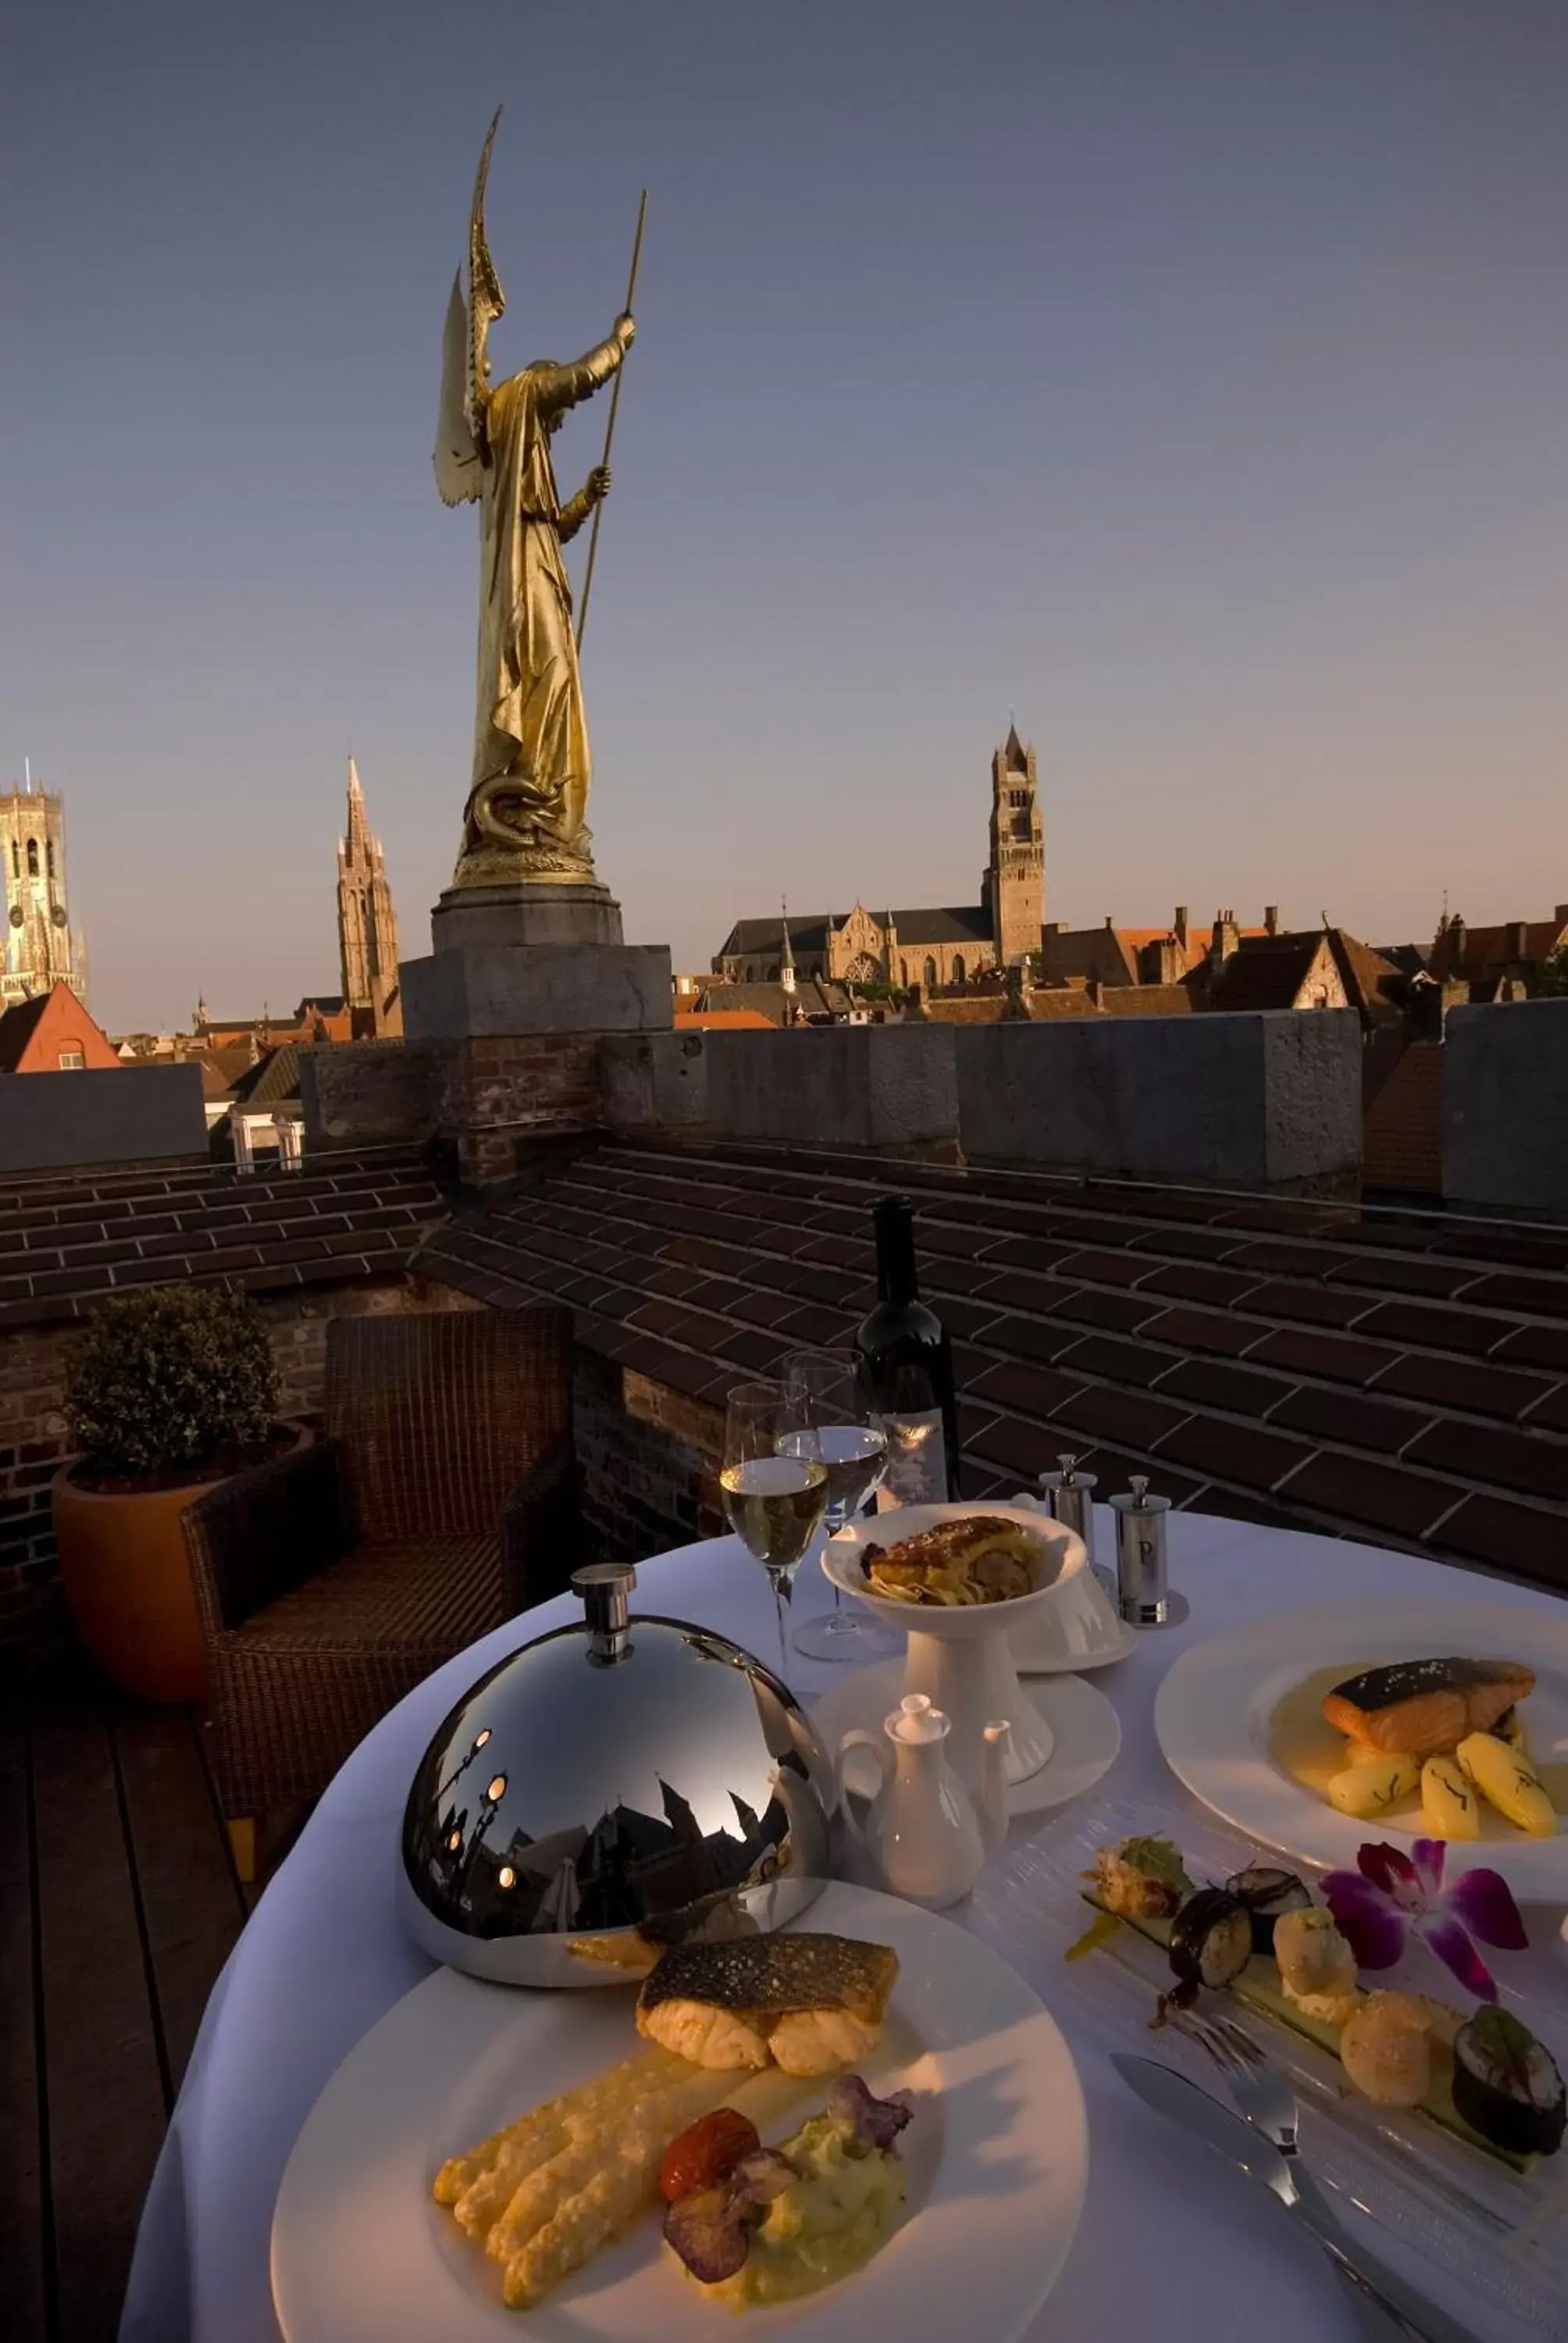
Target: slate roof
(67, 1242)
(808, 934)
(1265, 971)
(271, 1082)
(958, 924)
(954, 924)
(1395, 1375)
(17, 1027)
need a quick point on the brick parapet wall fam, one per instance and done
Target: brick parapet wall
(492, 1094)
(648, 1459)
(35, 1441)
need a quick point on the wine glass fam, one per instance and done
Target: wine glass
(826, 1404)
(774, 1496)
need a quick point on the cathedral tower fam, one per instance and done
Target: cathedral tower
(1013, 887)
(367, 926)
(36, 948)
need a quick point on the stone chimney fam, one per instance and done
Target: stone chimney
(1015, 991)
(915, 1011)
(1518, 940)
(1179, 925)
(1271, 918)
(1224, 939)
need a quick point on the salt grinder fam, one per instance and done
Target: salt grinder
(1142, 1596)
(1069, 1499)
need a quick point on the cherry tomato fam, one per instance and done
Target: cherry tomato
(706, 2153)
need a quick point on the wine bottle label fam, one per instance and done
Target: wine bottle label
(917, 1472)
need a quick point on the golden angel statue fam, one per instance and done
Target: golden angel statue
(524, 820)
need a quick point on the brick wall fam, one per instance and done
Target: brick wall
(648, 1459)
(491, 1094)
(33, 1441)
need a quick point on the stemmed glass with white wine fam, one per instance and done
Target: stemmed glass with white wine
(828, 1405)
(774, 1495)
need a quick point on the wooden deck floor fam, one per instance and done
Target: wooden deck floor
(118, 1906)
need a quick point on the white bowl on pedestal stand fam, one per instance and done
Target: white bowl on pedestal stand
(958, 1654)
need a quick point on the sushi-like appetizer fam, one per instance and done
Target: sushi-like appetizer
(1508, 1781)
(805, 2003)
(1210, 1938)
(1268, 1894)
(1317, 1966)
(1422, 1708)
(1386, 2049)
(1506, 2084)
(1373, 1783)
(1141, 1879)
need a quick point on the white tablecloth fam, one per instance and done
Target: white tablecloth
(1166, 2227)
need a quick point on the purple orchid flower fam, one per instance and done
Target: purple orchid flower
(1390, 1895)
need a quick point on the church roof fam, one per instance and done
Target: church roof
(1015, 755)
(962, 923)
(808, 934)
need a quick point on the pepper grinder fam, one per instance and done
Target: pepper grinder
(1069, 1499)
(1142, 1596)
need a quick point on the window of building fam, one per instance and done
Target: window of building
(1018, 797)
(15, 859)
(73, 1062)
(32, 858)
(930, 969)
(49, 858)
(957, 968)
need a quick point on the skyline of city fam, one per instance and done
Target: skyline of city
(1192, 395)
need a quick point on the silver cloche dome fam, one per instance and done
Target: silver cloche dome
(609, 1789)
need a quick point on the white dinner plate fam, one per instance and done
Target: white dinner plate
(998, 2158)
(1213, 1710)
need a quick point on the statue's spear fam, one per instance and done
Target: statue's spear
(610, 426)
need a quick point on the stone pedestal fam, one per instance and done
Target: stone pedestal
(514, 916)
(522, 987)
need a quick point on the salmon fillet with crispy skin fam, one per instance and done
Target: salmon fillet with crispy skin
(1424, 1708)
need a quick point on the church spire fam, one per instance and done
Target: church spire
(366, 925)
(787, 956)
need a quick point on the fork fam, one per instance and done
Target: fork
(1269, 2104)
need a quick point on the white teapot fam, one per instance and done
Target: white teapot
(920, 1831)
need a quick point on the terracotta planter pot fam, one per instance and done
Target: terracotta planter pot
(123, 1566)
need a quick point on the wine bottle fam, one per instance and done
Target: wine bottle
(906, 1370)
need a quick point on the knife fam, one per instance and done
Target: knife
(1187, 2103)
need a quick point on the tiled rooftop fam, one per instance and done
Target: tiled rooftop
(1397, 1375)
(68, 1240)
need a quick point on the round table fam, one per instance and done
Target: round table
(322, 1956)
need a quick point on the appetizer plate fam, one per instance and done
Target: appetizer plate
(1215, 1714)
(998, 2158)
(1085, 1730)
(1451, 2208)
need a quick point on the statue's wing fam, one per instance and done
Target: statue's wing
(459, 467)
(486, 299)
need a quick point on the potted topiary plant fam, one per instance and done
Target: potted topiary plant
(169, 1389)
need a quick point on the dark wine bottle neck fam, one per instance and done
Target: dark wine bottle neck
(897, 1277)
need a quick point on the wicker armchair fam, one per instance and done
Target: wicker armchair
(441, 1501)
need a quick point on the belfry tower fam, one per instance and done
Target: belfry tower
(37, 949)
(366, 926)
(1013, 887)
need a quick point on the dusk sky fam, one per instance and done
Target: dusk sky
(1185, 378)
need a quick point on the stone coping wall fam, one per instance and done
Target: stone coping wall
(1268, 1099)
